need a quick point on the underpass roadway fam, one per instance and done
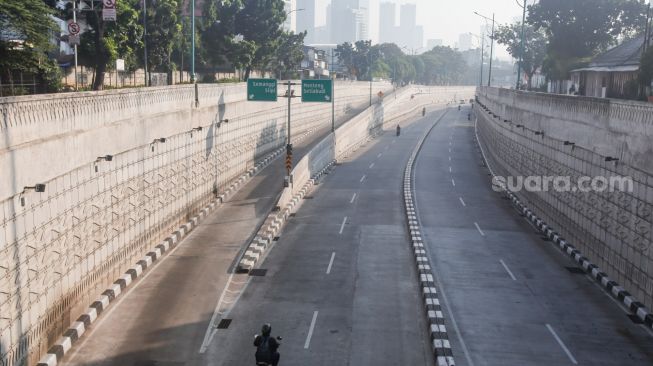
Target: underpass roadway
(163, 317)
(340, 286)
(510, 296)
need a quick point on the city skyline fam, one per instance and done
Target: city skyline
(447, 25)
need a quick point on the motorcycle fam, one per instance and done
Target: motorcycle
(266, 363)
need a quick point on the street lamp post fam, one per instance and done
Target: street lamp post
(521, 46)
(192, 42)
(489, 80)
(145, 40)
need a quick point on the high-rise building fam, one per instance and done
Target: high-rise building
(387, 27)
(409, 35)
(408, 15)
(306, 19)
(290, 23)
(349, 20)
(464, 42)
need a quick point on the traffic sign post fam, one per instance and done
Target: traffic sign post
(109, 10)
(262, 90)
(320, 90)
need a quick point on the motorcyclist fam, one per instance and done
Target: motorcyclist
(266, 347)
(398, 130)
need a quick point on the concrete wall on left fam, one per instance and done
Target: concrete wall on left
(61, 248)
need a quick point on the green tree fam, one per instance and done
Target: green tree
(259, 22)
(163, 30)
(442, 66)
(289, 54)
(29, 27)
(103, 42)
(646, 68)
(579, 29)
(535, 43)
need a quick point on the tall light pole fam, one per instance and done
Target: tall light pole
(192, 42)
(489, 80)
(521, 46)
(145, 39)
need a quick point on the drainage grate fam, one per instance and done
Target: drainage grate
(575, 270)
(224, 324)
(292, 215)
(258, 272)
(635, 319)
(276, 238)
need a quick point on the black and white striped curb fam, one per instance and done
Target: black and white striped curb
(273, 224)
(611, 286)
(438, 331)
(78, 328)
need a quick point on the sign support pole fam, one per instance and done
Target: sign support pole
(333, 106)
(288, 145)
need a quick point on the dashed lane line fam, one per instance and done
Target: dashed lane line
(562, 345)
(508, 270)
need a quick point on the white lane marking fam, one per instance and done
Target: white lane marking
(363, 178)
(212, 328)
(342, 226)
(333, 256)
(507, 270)
(371, 165)
(453, 182)
(450, 158)
(450, 151)
(380, 155)
(571, 357)
(353, 198)
(462, 202)
(310, 330)
(393, 141)
(450, 144)
(479, 229)
(449, 169)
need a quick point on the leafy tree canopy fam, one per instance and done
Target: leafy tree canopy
(535, 46)
(580, 29)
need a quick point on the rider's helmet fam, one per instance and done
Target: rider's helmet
(266, 329)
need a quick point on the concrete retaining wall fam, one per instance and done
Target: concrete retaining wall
(524, 134)
(61, 248)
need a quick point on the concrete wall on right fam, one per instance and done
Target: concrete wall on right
(540, 135)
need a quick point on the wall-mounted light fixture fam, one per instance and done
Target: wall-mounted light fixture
(567, 143)
(519, 126)
(220, 122)
(539, 133)
(159, 140)
(198, 129)
(610, 158)
(101, 158)
(39, 188)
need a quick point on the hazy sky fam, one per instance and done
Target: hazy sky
(444, 19)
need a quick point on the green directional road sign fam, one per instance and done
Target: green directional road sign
(317, 90)
(262, 90)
